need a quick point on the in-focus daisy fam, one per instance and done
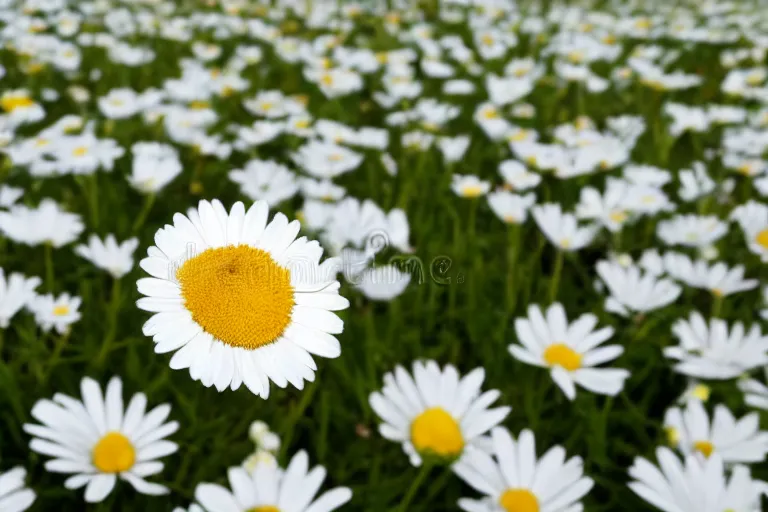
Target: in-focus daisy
(693, 485)
(514, 479)
(635, 291)
(712, 352)
(117, 259)
(15, 292)
(569, 350)
(736, 441)
(562, 229)
(97, 440)
(55, 312)
(272, 489)
(240, 300)
(14, 496)
(435, 413)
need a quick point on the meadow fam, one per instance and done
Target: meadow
(476, 255)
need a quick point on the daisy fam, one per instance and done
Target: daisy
(14, 497)
(16, 292)
(736, 441)
(55, 312)
(712, 352)
(718, 278)
(240, 300)
(47, 223)
(9, 195)
(514, 479)
(517, 176)
(469, 186)
(610, 208)
(108, 255)
(20, 107)
(266, 180)
(693, 486)
(752, 217)
(273, 489)
(325, 159)
(154, 166)
(511, 208)
(382, 283)
(755, 393)
(692, 230)
(562, 229)
(635, 291)
(97, 440)
(570, 351)
(435, 413)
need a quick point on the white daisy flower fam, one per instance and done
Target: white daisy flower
(562, 229)
(272, 489)
(55, 312)
(755, 393)
(511, 208)
(14, 496)
(240, 300)
(517, 176)
(97, 440)
(693, 486)
(9, 195)
(382, 283)
(117, 259)
(514, 479)
(635, 291)
(569, 350)
(469, 186)
(692, 230)
(712, 352)
(47, 223)
(736, 441)
(752, 217)
(266, 180)
(718, 278)
(436, 413)
(16, 292)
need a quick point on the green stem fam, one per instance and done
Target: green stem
(142, 217)
(423, 472)
(717, 305)
(93, 198)
(113, 308)
(555, 283)
(48, 249)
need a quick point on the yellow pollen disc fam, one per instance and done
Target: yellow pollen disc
(382, 57)
(762, 239)
(673, 435)
(519, 500)
(704, 447)
(79, 151)
(565, 243)
(701, 391)
(717, 292)
(487, 40)
(335, 157)
(11, 103)
(648, 199)
(435, 431)
(238, 294)
(472, 191)
(644, 23)
(302, 124)
(519, 136)
(327, 79)
(576, 57)
(263, 508)
(562, 355)
(520, 72)
(41, 142)
(745, 169)
(199, 105)
(266, 106)
(510, 219)
(604, 165)
(531, 160)
(114, 453)
(618, 216)
(61, 310)
(491, 113)
(754, 79)
(227, 91)
(215, 73)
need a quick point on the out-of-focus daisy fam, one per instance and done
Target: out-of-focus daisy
(55, 312)
(469, 186)
(20, 108)
(511, 208)
(514, 479)
(562, 229)
(266, 180)
(97, 440)
(755, 393)
(611, 208)
(326, 160)
(752, 217)
(736, 441)
(718, 278)
(240, 300)
(570, 351)
(712, 352)
(692, 230)
(517, 176)
(9, 195)
(47, 223)
(382, 283)
(14, 496)
(435, 413)
(693, 485)
(271, 489)
(16, 292)
(117, 259)
(154, 166)
(635, 291)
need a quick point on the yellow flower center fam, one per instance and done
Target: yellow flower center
(746, 169)
(519, 136)
(531, 160)
(435, 431)
(335, 157)
(263, 508)
(472, 191)
(762, 239)
(701, 391)
(521, 72)
(754, 79)
(80, 151)
(199, 105)
(673, 435)
(560, 354)
(39, 143)
(717, 292)
(704, 447)
(302, 124)
(576, 57)
(491, 113)
(11, 103)
(61, 310)
(487, 40)
(643, 24)
(238, 294)
(618, 216)
(519, 500)
(114, 453)
(266, 106)
(327, 79)
(510, 219)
